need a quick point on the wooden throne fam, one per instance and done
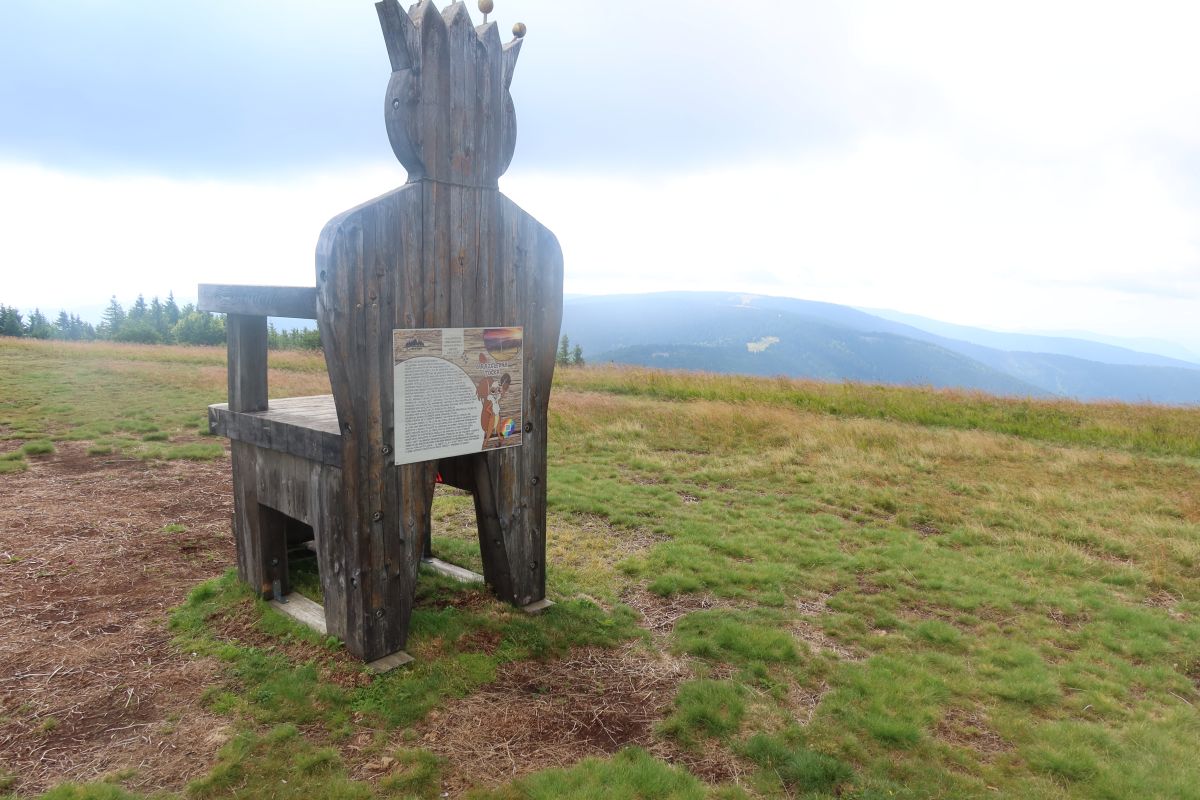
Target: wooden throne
(445, 250)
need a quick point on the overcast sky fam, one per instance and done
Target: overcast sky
(1019, 166)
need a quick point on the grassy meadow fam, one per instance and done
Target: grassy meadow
(877, 592)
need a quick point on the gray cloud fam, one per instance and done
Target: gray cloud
(227, 88)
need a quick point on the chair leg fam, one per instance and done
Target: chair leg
(369, 566)
(259, 532)
(517, 508)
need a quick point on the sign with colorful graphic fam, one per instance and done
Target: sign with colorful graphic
(457, 391)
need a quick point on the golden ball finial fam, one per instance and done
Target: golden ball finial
(519, 30)
(486, 6)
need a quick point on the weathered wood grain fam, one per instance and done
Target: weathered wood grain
(445, 250)
(522, 285)
(448, 110)
(260, 532)
(305, 611)
(302, 426)
(452, 571)
(298, 302)
(246, 339)
(288, 484)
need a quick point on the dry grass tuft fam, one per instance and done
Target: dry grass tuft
(659, 614)
(972, 730)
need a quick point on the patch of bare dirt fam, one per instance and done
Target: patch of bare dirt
(1068, 620)
(866, 586)
(89, 682)
(809, 632)
(644, 480)
(972, 730)
(480, 641)
(470, 600)
(659, 614)
(802, 701)
(537, 715)
(1167, 602)
(625, 541)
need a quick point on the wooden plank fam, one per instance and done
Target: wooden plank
(272, 548)
(288, 484)
(303, 610)
(260, 533)
(245, 514)
(383, 511)
(454, 571)
(247, 362)
(490, 94)
(389, 662)
(492, 544)
(329, 532)
(297, 302)
(459, 100)
(538, 606)
(310, 434)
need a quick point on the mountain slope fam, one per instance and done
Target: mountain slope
(1091, 350)
(758, 335)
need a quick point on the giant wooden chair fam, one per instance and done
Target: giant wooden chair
(445, 250)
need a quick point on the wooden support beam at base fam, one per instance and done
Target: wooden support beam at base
(452, 570)
(389, 663)
(537, 606)
(305, 611)
(312, 614)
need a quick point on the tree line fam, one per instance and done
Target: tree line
(153, 322)
(566, 357)
(157, 322)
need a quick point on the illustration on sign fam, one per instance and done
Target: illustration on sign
(457, 391)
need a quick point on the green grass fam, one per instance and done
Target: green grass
(796, 767)
(1161, 430)
(706, 708)
(630, 774)
(128, 399)
(894, 592)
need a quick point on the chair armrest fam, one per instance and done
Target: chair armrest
(298, 302)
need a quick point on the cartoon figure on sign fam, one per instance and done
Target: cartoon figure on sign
(490, 392)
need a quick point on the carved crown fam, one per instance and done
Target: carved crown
(448, 110)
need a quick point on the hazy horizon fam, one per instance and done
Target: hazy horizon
(1012, 168)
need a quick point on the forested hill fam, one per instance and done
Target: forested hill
(756, 335)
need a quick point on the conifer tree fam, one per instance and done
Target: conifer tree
(158, 317)
(114, 318)
(38, 326)
(137, 312)
(11, 323)
(171, 310)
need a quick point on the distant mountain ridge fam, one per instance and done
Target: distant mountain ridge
(1060, 344)
(760, 335)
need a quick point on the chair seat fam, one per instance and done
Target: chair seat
(306, 427)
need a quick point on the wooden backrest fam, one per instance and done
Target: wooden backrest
(446, 250)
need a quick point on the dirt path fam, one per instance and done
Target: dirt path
(89, 683)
